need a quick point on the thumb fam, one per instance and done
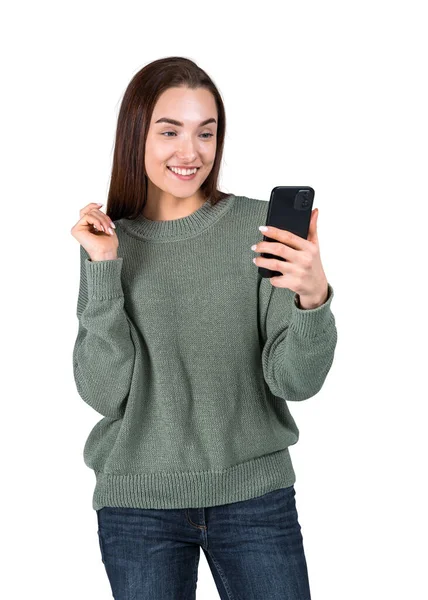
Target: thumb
(313, 234)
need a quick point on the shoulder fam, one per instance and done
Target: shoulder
(254, 207)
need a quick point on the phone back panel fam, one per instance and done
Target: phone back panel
(290, 208)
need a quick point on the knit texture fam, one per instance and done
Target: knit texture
(191, 358)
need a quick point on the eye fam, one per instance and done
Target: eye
(173, 132)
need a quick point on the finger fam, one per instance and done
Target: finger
(277, 249)
(93, 218)
(313, 234)
(280, 281)
(286, 237)
(273, 264)
(89, 207)
(105, 220)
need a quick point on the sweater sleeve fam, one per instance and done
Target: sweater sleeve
(298, 345)
(104, 353)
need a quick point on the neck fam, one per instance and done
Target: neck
(166, 207)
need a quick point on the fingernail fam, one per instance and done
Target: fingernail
(263, 228)
(100, 203)
(113, 225)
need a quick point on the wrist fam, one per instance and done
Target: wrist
(311, 302)
(107, 256)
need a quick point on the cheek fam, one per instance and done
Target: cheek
(155, 150)
(207, 157)
(156, 160)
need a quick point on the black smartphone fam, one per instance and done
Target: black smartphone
(290, 208)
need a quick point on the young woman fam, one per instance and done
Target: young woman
(191, 357)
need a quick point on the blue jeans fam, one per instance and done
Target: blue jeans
(254, 549)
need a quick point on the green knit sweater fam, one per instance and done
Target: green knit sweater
(191, 357)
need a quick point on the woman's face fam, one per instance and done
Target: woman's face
(186, 145)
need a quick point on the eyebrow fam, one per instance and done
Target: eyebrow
(174, 122)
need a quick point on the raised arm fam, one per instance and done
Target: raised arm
(298, 345)
(104, 353)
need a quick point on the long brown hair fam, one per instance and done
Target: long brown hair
(128, 184)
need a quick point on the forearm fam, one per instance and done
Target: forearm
(299, 347)
(104, 353)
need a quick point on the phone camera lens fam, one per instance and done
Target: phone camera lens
(302, 200)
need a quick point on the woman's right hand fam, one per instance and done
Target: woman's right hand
(92, 231)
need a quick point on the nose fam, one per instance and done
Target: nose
(186, 151)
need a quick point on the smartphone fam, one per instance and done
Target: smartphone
(290, 208)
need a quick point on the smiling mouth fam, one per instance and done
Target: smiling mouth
(184, 177)
(183, 168)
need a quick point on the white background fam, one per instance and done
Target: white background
(327, 94)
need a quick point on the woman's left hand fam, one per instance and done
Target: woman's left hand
(302, 271)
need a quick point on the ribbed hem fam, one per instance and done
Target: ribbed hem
(104, 278)
(314, 321)
(196, 489)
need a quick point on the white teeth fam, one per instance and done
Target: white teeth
(183, 171)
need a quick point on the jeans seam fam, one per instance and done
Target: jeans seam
(222, 576)
(195, 577)
(101, 546)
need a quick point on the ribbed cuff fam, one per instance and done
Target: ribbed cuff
(104, 278)
(312, 322)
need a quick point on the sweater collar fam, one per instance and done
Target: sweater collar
(177, 229)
